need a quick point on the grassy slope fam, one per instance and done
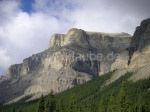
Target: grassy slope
(91, 92)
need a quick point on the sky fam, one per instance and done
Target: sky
(27, 25)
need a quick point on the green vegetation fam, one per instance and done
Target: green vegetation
(123, 99)
(41, 107)
(120, 96)
(51, 103)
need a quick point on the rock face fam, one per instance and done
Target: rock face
(140, 51)
(140, 46)
(141, 38)
(72, 59)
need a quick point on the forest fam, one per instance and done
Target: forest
(122, 95)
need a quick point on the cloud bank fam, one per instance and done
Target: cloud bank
(23, 33)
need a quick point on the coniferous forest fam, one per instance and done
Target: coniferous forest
(94, 96)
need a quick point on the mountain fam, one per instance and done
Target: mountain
(77, 57)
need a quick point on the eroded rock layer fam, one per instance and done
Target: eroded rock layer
(75, 58)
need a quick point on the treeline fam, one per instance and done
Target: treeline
(121, 102)
(120, 96)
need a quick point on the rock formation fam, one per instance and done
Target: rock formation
(139, 53)
(141, 38)
(72, 59)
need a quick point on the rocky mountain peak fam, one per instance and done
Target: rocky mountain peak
(74, 36)
(141, 38)
(79, 37)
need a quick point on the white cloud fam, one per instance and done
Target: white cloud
(23, 34)
(8, 10)
(110, 16)
(4, 59)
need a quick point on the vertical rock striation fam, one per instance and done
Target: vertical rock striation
(71, 59)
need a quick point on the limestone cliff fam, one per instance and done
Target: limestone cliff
(72, 59)
(139, 53)
(140, 46)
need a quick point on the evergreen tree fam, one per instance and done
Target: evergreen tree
(59, 106)
(80, 108)
(123, 101)
(112, 104)
(51, 103)
(102, 105)
(72, 105)
(0, 108)
(13, 109)
(140, 106)
(32, 110)
(131, 109)
(41, 106)
(20, 110)
(91, 105)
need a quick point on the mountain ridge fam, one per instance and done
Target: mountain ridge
(67, 63)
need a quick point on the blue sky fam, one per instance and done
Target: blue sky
(27, 25)
(26, 5)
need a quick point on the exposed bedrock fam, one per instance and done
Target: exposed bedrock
(75, 58)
